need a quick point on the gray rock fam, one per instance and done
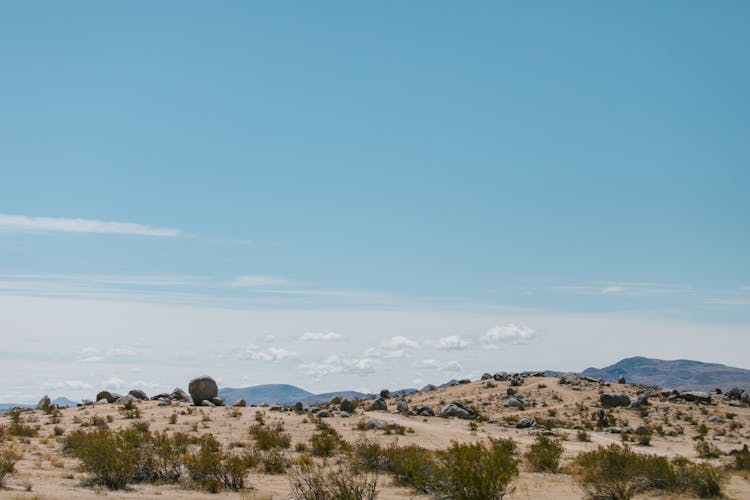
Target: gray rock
(179, 395)
(203, 388)
(111, 397)
(490, 384)
(424, 411)
(428, 388)
(138, 394)
(514, 403)
(299, 407)
(643, 430)
(501, 377)
(614, 399)
(344, 414)
(621, 379)
(102, 401)
(324, 414)
(525, 423)
(240, 403)
(206, 402)
(161, 396)
(375, 424)
(456, 409)
(696, 396)
(735, 393)
(347, 405)
(385, 393)
(217, 401)
(714, 419)
(165, 402)
(486, 376)
(126, 399)
(379, 405)
(44, 403)
(568, 378)
(402, 406)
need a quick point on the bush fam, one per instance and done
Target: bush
(106, 455)
(544, 454)
(411, 466)
(705, 480)
(275, 462)
(618, 473)
(367, 455)
(311, 482)
(269, 439)
(213, 469)
(8, 459)
(325, 442)
(742, 459)
(17, 427)
(472, 471)
(706, 449)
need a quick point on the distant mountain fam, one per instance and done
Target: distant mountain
(267, 393)
(677, 374)
(6, 407)
(63, 401)
(328, 396)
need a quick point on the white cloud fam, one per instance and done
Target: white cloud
(400, 342)
(375, 352)
(252, 280)
(334, 365)
(14, 223)
(321, 337)
(68, 384)
(451, 343)
(255, 353)
(113, 383)
(607, 290)
(508, 334)
(91, 359)
(120, 351)
(452, 366)
(429, 364)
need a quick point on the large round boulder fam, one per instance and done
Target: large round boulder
(203, 388)
(347, 405)
(44, 403)
(179, 395)
(138, 394)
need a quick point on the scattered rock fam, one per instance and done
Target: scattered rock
(111, 397)
(179, 395)
(375, 424)
(424, 411)
(514, 403)
(525, 423)
(344, 414)
(621, 379)
(217, 401)
(165, 402)
(714, 419)
(138, 394)
(614, 399)
(161, 396)
(490, 384)
(696, 396)
(379, 405)
(240, 403)
(206, 402)
(402, 406)
(456, 409)
(735, 393)
(486, 376)
(347, 405)
(324, 414)
(299, 407)
(385, 393)
(203, 388)
(126, 399)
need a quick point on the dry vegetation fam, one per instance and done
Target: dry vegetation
(575, 449)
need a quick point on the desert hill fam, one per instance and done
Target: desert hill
(677, 374)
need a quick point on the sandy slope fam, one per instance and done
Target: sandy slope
(52, 476)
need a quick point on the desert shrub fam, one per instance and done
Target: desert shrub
(104, 454)
(269, 439)
(58, 430)
(17, 427)
(706, 449)
(212, 469)
(274, 462)
(583, 436)
(309, 481)
(367, 455)
(644, 439)
(130, 410)
(705, 479)
(8, 459)
(411, 466)
(618, 473)
(544, 454)
(742, 459)
(325, 442)
(471, 471)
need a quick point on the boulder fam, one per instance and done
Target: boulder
(111, 397)
(402, 406)
(514, 403)
(490, 384)
(165, 402)
(456, 409)
(428, 388)
(424, 411)
(299, 407)
(375, 424)
(344, 414)
(567, 378)
(240, 403)
(486, 376)
(203, 388)
(735, 393)
(126, 399)
(217, 401)
(347, 405)
(501, 377)
(621, 379)
(525, 423)
(614, 399)
(379, 404)
(44, 403)
(138, 394)
(161, 396)
(696, 396)
(324, 414)
(179, 395)
(385, 393)
(206, 402)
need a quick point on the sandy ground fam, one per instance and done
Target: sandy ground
(50, 475)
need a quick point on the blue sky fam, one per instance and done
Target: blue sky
(421, 171)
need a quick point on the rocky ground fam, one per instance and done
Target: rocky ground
(518, 407)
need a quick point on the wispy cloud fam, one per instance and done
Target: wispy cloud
(335, 365)
(252, 280)
(321, 336)
(451, 343)
(622, 289)
(255, 353)
(24, 223)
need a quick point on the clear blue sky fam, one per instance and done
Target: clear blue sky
(549, 157)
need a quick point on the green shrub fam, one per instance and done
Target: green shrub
(17, 427)
(411, 466)
(742, 459)
(472, 471)
(269, 439)
(544, 454)
(706, 449)
(367, 455)
(275, 462)
(618, 473)
(8, 459)
(325, 442)
(312, 482)
(705, 480)
(212, 469)
(583, 436)
(106, 455)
